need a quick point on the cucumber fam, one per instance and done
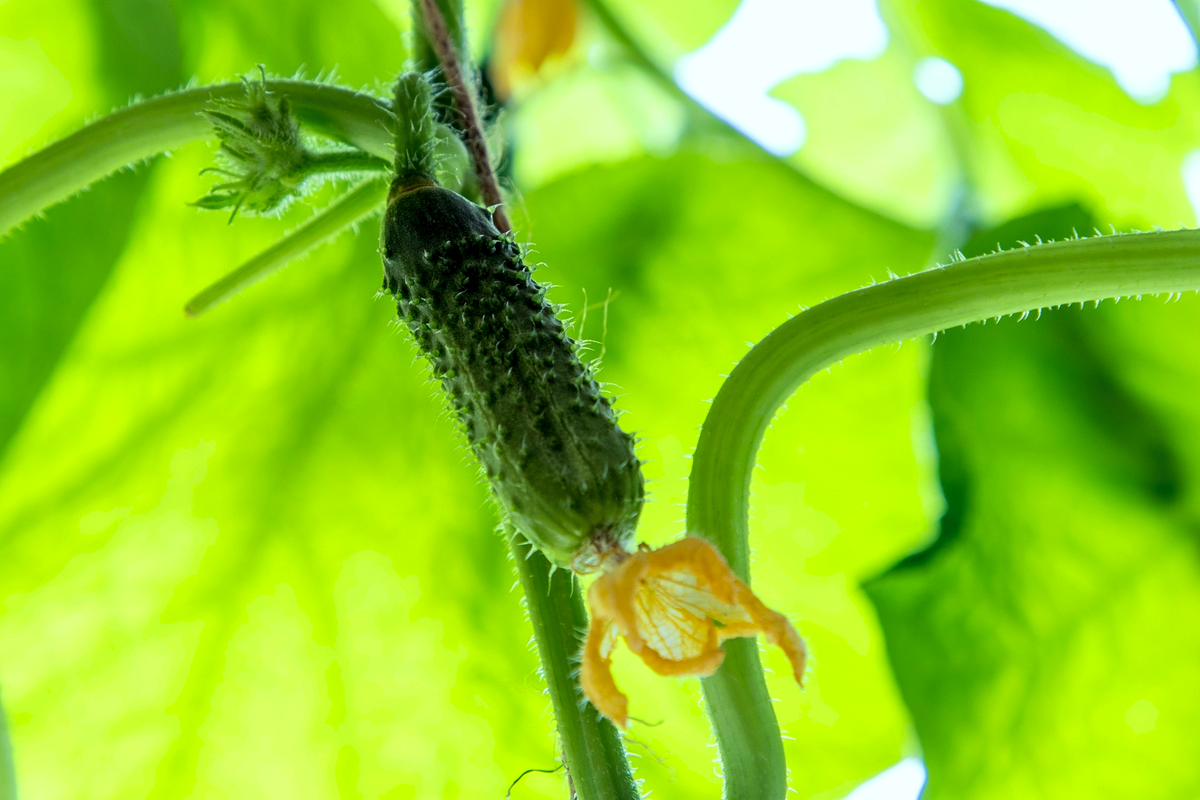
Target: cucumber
(545, 436)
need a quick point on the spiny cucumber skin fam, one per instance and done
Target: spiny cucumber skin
(545, 435)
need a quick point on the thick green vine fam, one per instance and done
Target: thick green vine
(997, 285)
(169, 122)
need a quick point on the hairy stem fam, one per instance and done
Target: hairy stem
(982, 288)
(424, 58)
(168, 122)
(346, 161)
(464, 101)
(592, 748)
(352, 207)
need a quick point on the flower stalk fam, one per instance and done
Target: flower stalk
(992, 286)
(592, 748)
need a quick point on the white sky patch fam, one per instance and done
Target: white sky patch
(902, 781)
(938, 79)
(768, 41)
(1141, 41)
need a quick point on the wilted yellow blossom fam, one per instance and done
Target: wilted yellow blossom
(673, 606)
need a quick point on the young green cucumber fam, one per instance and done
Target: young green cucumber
(546, 437)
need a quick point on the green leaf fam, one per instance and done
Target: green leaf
(57, 266)
(871, 136)
(1036, 124)
(674, 27)
(140, 50)
(247, 555)
(52, 276)
(357, 40)
(1046, 125)
(264, 603)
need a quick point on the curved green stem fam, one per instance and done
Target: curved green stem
(969, 291)
(168, 122)
(592, 748)
(357, 204)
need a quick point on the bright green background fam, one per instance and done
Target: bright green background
(247, 556)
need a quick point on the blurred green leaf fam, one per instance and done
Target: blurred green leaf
(139, 49)
(673, 27)
(1045, 125)
(57, 265)
(592, 115)
(1037, 124)
(247, 555)
(358, 40)
(230, 630)
(874, 138)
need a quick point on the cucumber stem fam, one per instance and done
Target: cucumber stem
(592, 748)
(592, 751)
(992, 286)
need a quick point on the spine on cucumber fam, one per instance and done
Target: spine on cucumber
(546, 437)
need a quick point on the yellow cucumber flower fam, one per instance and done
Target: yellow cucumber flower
(673, 606)
(528, 32)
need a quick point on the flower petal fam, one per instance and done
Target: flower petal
(774, 626)
(674, 606)
(595, 673)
